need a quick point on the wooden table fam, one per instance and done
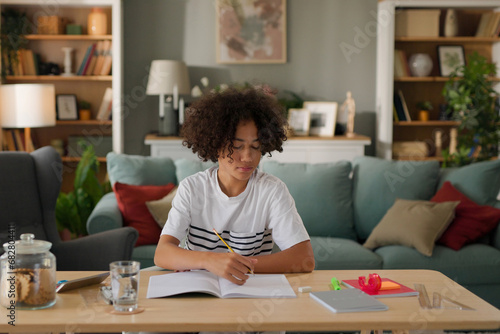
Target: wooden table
(75, 311)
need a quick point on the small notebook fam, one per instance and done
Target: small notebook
(201, 281)
(348, 300)
(403, 290)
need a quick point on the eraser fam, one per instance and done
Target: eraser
(305, 289)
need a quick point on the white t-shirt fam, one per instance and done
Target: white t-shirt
(249, 223)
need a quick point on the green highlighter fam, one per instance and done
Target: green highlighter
(335, 284)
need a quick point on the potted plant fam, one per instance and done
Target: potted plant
(74, 208)
(84, 110)
(424, 107)
(472, 102)
(14, 26)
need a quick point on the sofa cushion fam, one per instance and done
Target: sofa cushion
(187, 167)
(478, 181)
(160, 208)
(140, 170)
(472, 221)
(416, 224)
(338, 253)
(322, 194)
(132, 204)
(377, 183)
(473, 264)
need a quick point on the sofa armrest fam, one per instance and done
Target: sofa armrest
(97, 251)
(105, 216)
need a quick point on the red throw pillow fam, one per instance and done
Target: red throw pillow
(472, 221)
(132, 204)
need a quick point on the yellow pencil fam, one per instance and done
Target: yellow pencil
(228, 247)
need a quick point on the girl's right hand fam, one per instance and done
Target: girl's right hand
(231, 266)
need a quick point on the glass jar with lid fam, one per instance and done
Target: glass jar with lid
(27, 274)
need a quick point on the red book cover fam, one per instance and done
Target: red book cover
(403, 290)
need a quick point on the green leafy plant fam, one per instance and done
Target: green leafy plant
(294, 102)
(424, 105)
(14, 27)
(83, 105)
(74, 208)
(473, 102)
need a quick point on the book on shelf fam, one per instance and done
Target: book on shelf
(102, 52)
(93, 59)
(347, 300)
(396, 290)
(106, 107)
(399, 108)
(404, 105)
(201, 281)
(107, 60)
(86, 60)
(489, 25)
(401, 67)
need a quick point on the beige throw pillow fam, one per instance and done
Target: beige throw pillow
(416, 224)
(160, 208)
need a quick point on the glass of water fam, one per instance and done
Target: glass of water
(125, 285)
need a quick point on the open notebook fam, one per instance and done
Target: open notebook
(200, 281)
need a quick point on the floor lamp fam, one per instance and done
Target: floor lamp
(27, 106)
(168, 79)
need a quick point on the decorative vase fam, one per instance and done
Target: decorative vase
(420, 64)
(67, 61)
(97, 22)
(450, 23)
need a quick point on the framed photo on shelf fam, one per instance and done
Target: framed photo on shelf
(299, 120)
(251, 32)
(323, 118)
(450, 57)
(66, 107)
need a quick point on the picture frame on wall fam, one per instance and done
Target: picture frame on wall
(323, 118)
(66, 107)
(450, 57)
(299, 120)
(251, 32)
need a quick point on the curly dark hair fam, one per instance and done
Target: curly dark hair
(211, 122)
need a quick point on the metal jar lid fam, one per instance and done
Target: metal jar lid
(28, 245)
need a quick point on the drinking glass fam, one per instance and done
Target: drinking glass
(125, 285)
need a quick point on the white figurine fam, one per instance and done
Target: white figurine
(349, 107)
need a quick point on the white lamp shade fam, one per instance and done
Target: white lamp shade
(165, 74)
(27, 105)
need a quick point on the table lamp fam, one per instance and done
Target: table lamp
(169, 79)
(27, 106)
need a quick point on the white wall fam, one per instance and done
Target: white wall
(330, 44)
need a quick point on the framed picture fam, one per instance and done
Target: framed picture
(323, 118)
(251, 31)
(299, 120)
(66, 107)
(450, 57)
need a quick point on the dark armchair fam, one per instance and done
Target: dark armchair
(29, 186)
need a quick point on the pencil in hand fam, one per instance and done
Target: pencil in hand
(228, 247)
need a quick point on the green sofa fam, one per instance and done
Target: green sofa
(340, 205)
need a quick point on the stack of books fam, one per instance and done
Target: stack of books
(97, 59)
(489, 25)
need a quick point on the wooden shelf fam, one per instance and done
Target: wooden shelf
(59, 78)
(427, 123)
(92, 122)
(458, 39)
(68, 37)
